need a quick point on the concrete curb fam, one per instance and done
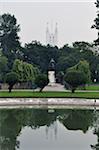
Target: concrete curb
(48, 101)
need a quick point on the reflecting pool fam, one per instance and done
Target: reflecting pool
(49, 129)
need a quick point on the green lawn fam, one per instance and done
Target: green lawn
(93, 87)
(30, 94)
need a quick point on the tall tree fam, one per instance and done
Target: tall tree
(35, 53)
(3, 67)
(96, 22)
(9, 39)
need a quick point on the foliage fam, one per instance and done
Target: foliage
(74, 79)
(82, 66)
(96, 71)
(65, 62)
(41, 81)
(9, 38)
(3, 67)
(96, 23)
(40, 55)
(25, 71)
(82, 46)
(59, 77)
(11, 79)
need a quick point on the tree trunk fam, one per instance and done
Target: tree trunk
(10, 88)
(73, 90)
(41, 89)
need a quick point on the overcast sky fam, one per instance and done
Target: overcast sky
(74, 19)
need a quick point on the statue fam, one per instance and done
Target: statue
(51, 72)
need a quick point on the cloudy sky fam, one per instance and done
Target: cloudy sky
(74, 18)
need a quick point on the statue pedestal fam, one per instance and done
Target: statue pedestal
(54, 87)
(51, 77)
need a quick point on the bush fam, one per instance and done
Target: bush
(41, 81)
(75, 79)
(11, 79)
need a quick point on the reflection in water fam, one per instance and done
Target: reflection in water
(96, 128)
(14, 121)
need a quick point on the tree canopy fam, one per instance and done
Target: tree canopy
(74, 79)
(41, 81)
(82, 66)
(96, 22)
(9, 38)
(11, 79)
(3, 67)
(26, 72)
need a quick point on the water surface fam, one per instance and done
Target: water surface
(49, 129)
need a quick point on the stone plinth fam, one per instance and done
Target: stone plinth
(54, 87)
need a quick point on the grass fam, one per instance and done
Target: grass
(93, 87)
(30, 94)
(49, 94)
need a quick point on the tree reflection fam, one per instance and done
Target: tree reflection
(96, 128)
(12, 122)
(77, 120)
(9, 130)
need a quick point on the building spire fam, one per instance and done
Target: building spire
(56, 35)
(47, 34)
(51, 37)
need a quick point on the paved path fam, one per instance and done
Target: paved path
(56, 87)
(51, 90)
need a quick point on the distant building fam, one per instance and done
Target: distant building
(51, 36)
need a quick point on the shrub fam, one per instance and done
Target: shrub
(75, 79)
(11, 79)
(41, 81)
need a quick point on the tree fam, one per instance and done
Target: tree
(35, 53)
(82, 46)
(96, 23)
(26, 72)
(11, 79)
(66, 58)
(41, 81)
(59, 77)
(75, 79)
(82, 66)
(97, 73)
(3, 67)
(65, 62)
(9, 38)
